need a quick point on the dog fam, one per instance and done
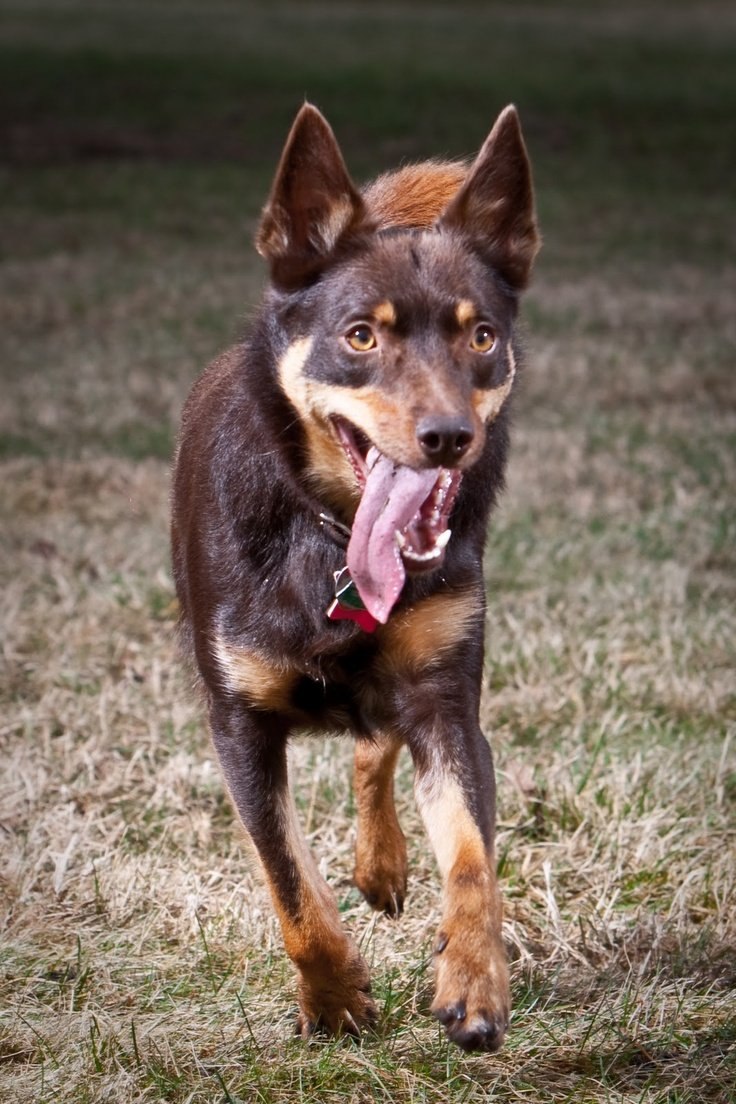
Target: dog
(331, 492)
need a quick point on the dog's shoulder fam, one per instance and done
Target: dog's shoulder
(414, 195)
(214, 383)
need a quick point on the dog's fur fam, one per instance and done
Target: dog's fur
(427, 264)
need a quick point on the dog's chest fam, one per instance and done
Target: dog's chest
(360, 689)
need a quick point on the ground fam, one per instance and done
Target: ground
(140, 959)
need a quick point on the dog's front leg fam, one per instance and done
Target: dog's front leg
(455, 792)
(380, 850)
(334, 987)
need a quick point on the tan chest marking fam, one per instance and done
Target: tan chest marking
(414, 638)
(264, 683)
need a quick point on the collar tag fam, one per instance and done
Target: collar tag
(348, 605)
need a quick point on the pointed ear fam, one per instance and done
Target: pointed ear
(313, 202)
(495, 205)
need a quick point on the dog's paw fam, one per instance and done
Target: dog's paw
(335, 997)
(382, 876)
(336, 1020)
(384, 888)
(472, 993)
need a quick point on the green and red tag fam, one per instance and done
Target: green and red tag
(348, 605)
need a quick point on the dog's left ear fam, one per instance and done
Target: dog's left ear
(313, 202)
(495, 205)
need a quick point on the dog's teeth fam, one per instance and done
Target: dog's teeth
(421, 557)
(433, 553)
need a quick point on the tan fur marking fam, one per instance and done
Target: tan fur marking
(290, 371)
(336, 221)
(388, 421)
(465, 312)
(385, 313)
(333, 977)
(470, 961)
(368, 408)
(487, 403)
(264, 683)
(319, 919)
(329, 469)
(450, 827)
(415, 195)
(414, 638)
(328, 466)
(380, 849)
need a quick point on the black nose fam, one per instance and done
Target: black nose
(444, 438)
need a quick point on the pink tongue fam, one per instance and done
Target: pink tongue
(392, 496)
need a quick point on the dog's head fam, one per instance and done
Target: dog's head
(396, 309)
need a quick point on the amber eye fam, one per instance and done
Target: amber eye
(361, 339)
(483, 338)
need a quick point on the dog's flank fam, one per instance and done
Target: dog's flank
(360, 434)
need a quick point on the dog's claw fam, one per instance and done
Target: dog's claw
(481, 1032)
(329, 1005)
(304, 1028)
(345, 1024)
(392, 905)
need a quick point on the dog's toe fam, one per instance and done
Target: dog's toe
(386, 895)
(480, 1032)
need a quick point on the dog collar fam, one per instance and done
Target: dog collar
(339, 532)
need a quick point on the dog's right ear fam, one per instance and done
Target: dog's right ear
(495, 205)
(313, 202)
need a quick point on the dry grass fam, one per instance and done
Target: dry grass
(140, 959)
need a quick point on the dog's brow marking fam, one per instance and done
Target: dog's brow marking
(465, 311)
(416, 637)
(488, 403)
(385, 313)
(262, 682)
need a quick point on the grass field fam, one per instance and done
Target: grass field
(140, 959)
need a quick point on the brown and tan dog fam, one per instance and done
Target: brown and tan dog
(333, 483)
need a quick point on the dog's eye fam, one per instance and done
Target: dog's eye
(483, 338)
(361, 339)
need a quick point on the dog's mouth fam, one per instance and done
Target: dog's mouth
(401, 523)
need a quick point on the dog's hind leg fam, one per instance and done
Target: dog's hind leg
(380, 850)
(334, 987)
